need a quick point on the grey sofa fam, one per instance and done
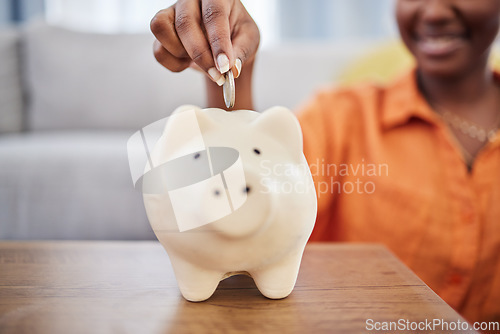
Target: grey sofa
(70, 100)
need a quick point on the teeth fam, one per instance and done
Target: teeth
(439, 38)
(439, 44)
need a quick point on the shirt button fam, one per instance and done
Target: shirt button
(455, 279)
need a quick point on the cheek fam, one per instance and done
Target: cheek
(484, 36)
(405, 12)
(483, 19)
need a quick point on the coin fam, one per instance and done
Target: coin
(229, 89)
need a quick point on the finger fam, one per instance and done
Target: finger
(193, 38)
(215, 16)
(168, 60)
(245, 45)
(195, 67)
(221, 80)
(237, 68)
(163, 28)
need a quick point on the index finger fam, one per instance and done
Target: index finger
(192, 37)
(215, 15)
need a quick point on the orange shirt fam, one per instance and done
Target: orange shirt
(387, 169)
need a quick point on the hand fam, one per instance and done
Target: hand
(214, 35)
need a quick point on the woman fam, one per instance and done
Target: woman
(426, 145)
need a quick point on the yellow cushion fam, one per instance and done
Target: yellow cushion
(386, 62)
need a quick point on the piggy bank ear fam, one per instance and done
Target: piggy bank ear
(183, 132)
(281, 124)
(184, 108)
(183, 118)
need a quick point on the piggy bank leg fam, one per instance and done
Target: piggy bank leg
(196, 284)
(278, 280)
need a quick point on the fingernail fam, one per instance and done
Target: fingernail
(216, 76)
(223, 63)
(237, 65)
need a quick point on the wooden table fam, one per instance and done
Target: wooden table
(129, 287)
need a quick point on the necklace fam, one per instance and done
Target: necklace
(469, 128)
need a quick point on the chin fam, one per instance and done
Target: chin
(444, 72)
(446, 68)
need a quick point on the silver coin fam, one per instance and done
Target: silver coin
(229, 90)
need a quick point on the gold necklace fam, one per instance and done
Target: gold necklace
(469, 128)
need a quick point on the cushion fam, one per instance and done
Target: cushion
(288, 74)
(83, 80)
(11, 94)
(384, 62)
(69, 185)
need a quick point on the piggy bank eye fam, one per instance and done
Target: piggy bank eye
(256, 151)
(197, 155)
(217, 192)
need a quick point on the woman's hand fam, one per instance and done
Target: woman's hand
(214, 35)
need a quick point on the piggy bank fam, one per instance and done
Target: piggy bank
(231, 194)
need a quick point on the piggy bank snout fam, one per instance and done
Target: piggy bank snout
(252, 211)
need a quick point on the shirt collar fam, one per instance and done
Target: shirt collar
(404, 101)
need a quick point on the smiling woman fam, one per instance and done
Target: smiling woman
(449, 40)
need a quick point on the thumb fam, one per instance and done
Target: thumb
(245, 46)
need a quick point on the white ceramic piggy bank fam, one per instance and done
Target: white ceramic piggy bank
(239, 198)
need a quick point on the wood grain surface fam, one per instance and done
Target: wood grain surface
(129, 287)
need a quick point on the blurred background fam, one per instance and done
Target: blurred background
(78, 78)
(319, 19)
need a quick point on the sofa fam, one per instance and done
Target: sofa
(70, 100)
